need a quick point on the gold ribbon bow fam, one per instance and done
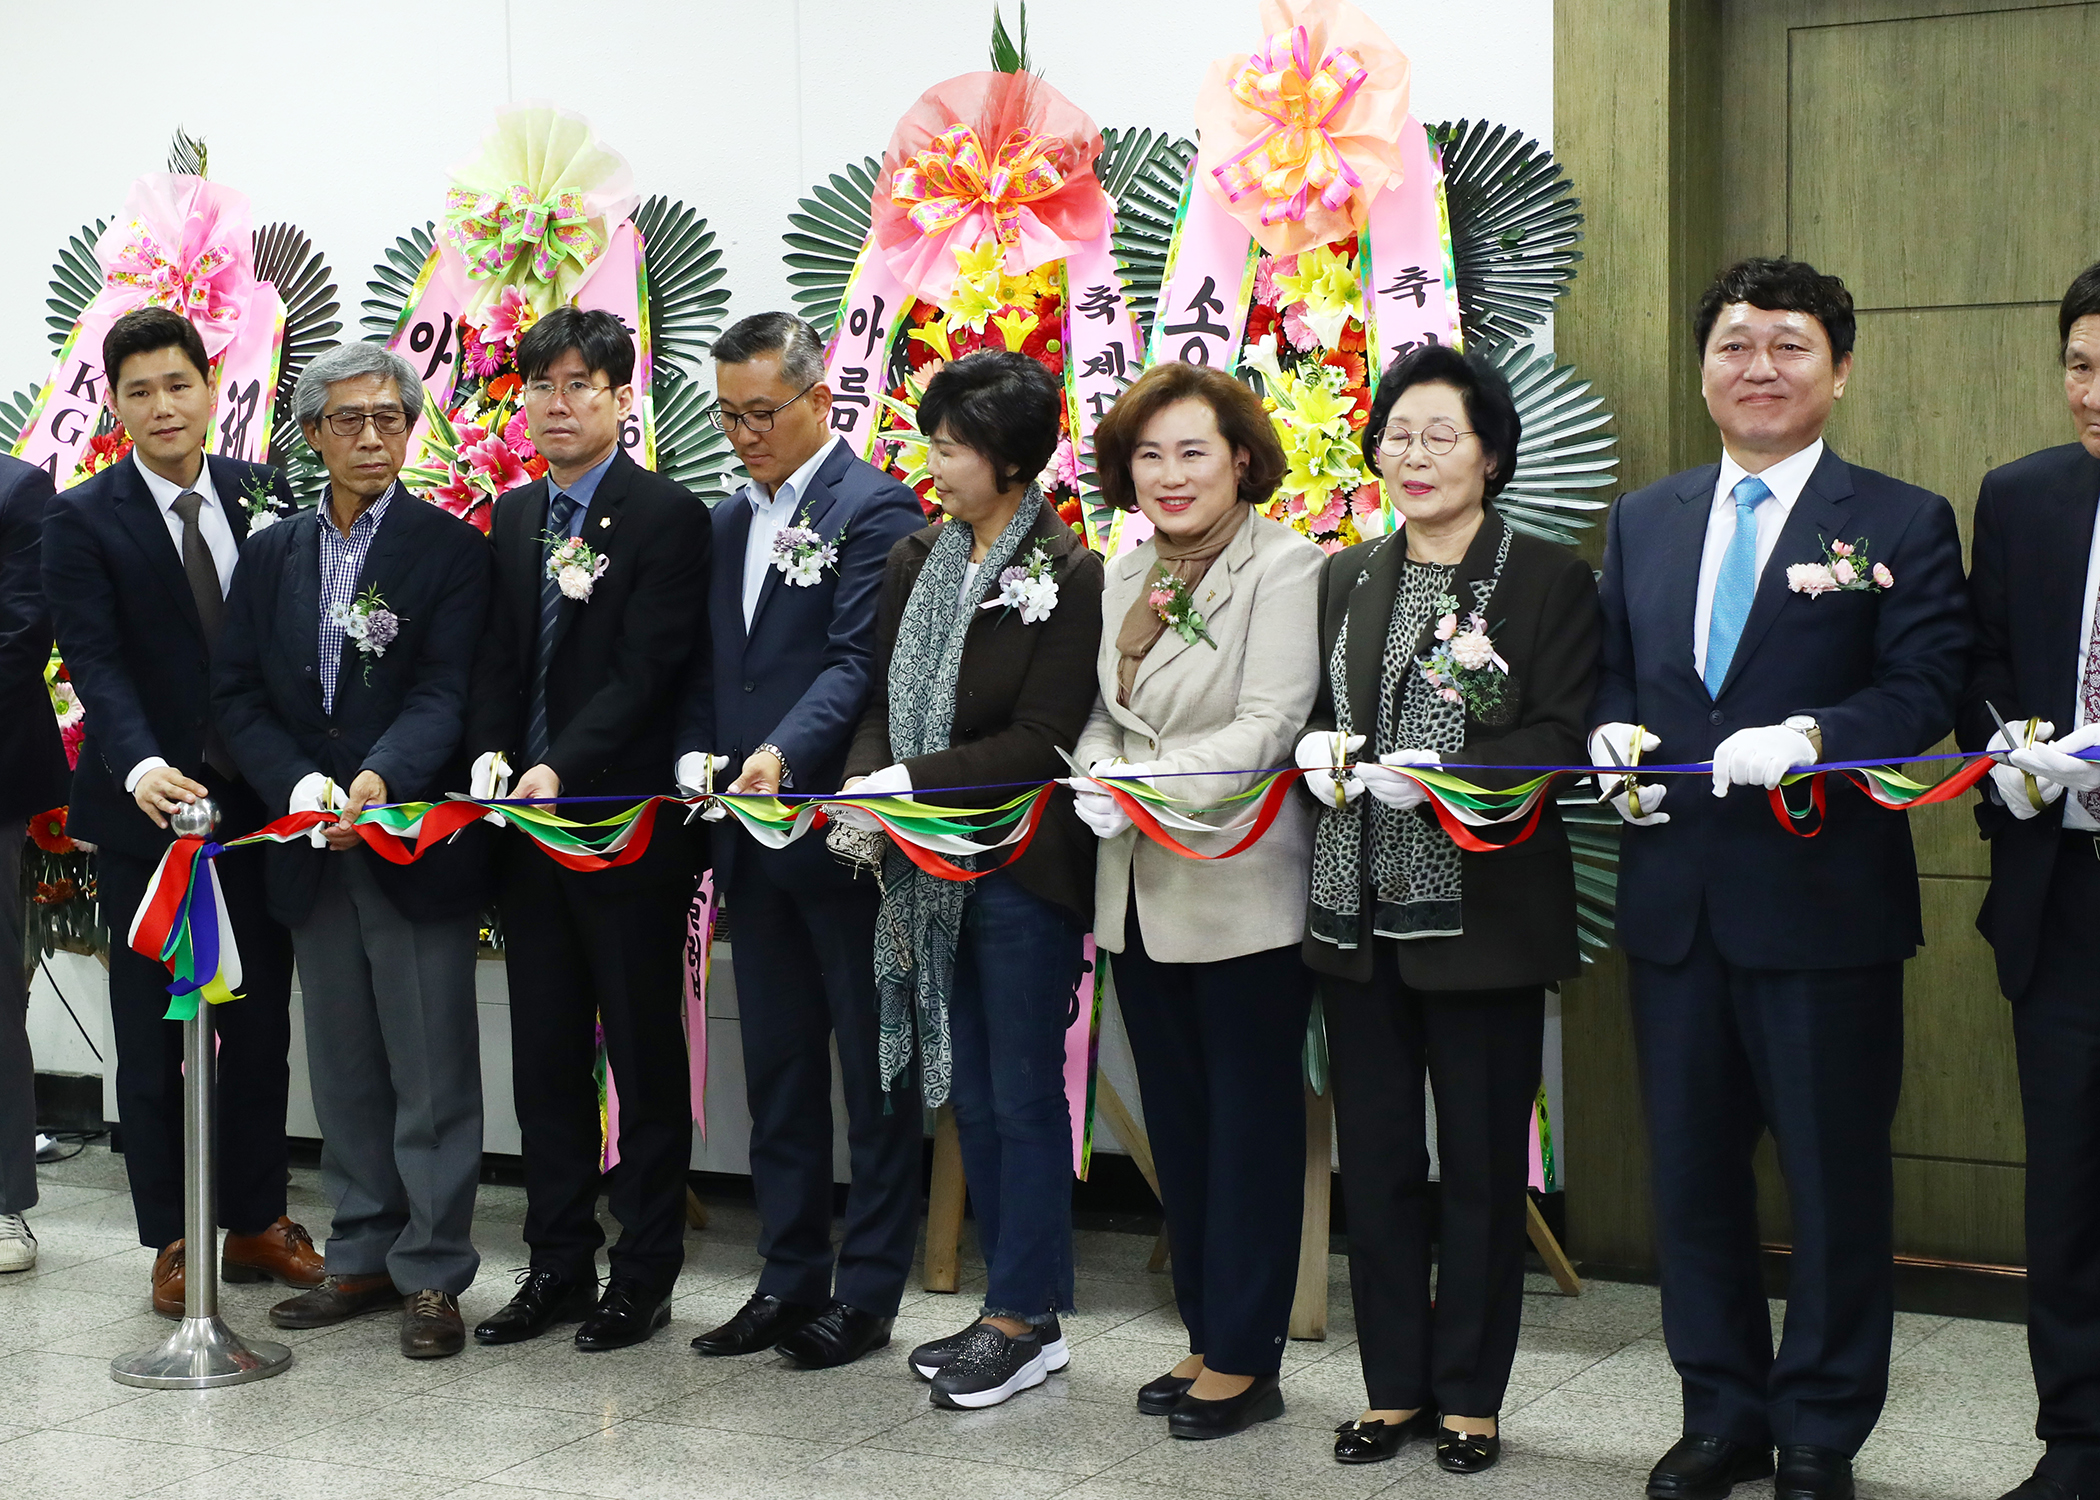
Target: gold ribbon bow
(939, 186)
(1295, 159)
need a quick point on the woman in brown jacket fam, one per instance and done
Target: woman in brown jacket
(983, 672)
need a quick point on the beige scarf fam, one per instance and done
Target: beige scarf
(1187, 560)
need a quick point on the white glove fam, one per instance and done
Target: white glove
(1639, 806)
(1400, 793)
(1760, 757)
(313, 792)
(890, 781)
(1320, 755)
(695, 775)
(489, 781)
(1096, 808)
(2055, 763)
(2016, 788)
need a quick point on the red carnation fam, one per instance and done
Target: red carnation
(48, 830)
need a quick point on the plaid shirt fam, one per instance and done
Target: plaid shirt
(342, 559)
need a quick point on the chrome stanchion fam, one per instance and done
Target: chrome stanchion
(202, 1351)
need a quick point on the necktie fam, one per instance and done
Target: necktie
(559, 514)
(1736, 584)
(202, 570)
(2089, 698)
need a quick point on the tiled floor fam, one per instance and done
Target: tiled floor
(1593, 1403)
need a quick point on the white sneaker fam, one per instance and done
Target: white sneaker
(17, 1244)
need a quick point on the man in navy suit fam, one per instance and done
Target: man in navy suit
(136, 564)
(2034, 591)
(341, 682)
(780, 699)
(1777, 609)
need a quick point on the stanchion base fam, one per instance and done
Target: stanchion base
(201, 1353)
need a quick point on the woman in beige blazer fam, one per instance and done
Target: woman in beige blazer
(1208, 665)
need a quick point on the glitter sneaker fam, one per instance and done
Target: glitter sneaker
(988, 1367)
(927, 1359)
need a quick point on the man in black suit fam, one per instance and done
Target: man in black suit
(2036, 573)
(577, 683)
(1767, 968)
(136, 563)
(32, 780)
(780, 699)
(341, 682)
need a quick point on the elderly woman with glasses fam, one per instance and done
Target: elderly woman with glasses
(1455, 639)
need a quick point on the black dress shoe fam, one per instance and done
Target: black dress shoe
(838, 1335)
(758, 1325)
(1700, 1467)
(1467, 1452)
(1375, 1442)
(2040, 1487)
(1157, 1398)
(1200, 1420)
(626, 1314)
(1808, 1473)
(544, 1297)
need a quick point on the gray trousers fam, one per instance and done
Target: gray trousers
(17, 1071)
(393, 1047)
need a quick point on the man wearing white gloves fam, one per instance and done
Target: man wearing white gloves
(1771, 611)
(2037, 665)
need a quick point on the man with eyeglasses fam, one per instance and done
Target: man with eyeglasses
(577, 685)
(794, 631)
(341, 683)
(136, 562)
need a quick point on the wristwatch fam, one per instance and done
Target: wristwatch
(787, 777)
(1805, 724)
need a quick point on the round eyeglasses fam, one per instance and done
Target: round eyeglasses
(1438, 439)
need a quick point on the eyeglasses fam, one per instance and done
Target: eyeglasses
(756, 421)
(388, 421)
(540, 392)
(1438, 439)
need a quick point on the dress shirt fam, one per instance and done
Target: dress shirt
(1785, 480)
(771, 515)
(582, 491)
(342, 560)
(2075, 815)
(217, 532)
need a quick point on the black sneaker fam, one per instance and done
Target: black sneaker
(987, 1367)
(927, 1359)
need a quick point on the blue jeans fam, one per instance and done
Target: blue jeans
(1017, 967)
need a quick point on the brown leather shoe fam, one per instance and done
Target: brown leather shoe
(283, 1253)
(167, 1282)
(431, 1326)
(337, 1299)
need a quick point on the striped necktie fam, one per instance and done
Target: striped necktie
(1735, 586)
(559, 515)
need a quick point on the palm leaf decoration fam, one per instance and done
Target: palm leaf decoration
(1565, 452)
(824, 237)
(1143, 170)
(1514, 221)
(690, 449)
(76, 276)
(686, 295)
(393, 278)
(285, 257)
(186, 154)
(14, 411)
(1593, 834)
(1010, 50)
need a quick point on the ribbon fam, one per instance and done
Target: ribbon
(491, 230)
(941, 184)
(1295, 160)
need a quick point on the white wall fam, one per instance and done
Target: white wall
(344, 119)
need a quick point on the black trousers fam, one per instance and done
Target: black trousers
(254, 1034)
(1219, 1049)
(578, 956)
(805, 974)
(1816, 1057)
(1481, 1049)
(2056, 1030)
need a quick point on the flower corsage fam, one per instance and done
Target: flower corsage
(802, 555)
(1465, 668)
(1175, 603)
(260, 504)
(1029, 586)
(1844, 569)
(574, 566)
(368, 623)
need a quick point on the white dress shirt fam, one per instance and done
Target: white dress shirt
(217, 532)
(1785, 479)
(771, 515)
(2075, 815)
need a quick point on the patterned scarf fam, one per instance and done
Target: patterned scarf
(920, 921)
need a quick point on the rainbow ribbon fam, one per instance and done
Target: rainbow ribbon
(941, 184)
(491, 230)
(1296, 158)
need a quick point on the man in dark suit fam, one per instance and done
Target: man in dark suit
(1767, 968)
(780, 699)
(136, 563)
(577, 683)
(341, 682)
(2036, 573)
(32, 781)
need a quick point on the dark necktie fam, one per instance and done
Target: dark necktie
(202, 571)
(537, 743)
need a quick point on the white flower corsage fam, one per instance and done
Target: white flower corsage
(802, 555)
(260, 504)
(1029, 586)
(1465, 667)
(368, 623)
(1844, 569)
(573, 565)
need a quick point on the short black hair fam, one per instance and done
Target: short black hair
(1002, 404)
(145, 329)
(1489, 406)
(2082, 300)
(801, 351)
(601, 338)
(1777, 284)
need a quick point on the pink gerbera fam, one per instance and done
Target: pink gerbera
(517, 432)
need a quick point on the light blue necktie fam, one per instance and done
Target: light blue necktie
(1736, 585)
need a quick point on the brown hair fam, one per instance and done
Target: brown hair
(1241, 421)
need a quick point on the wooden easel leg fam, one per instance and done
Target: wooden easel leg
(944, 1205)
(1549, 1250)
(1112, 1107)
(695, 1211)
(1309, 1307)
